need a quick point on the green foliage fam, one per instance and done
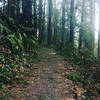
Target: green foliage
(86, 57)
(85, 98)
(19, 44)
(4, 28)
(12, 63)
(17, 51)
(70, 51)
(11, 20)
(28, 82)
(82, 56)
(7, 92)
(15, 44)
(88, 37)
(76, 77)
(1, 28)
(31, 44)
(7, 68)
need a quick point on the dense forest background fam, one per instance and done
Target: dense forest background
(63, 21)
(68, 26)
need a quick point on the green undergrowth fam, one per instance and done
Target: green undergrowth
(85, 65)
(76, 78)
(6, 94)
(18, 51)
(28, 82)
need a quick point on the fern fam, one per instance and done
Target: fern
(31, 43)
(4, 29)
(1, 28)
(16, 44)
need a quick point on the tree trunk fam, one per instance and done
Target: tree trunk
(63, 22)
(71, 38)
(55, 21)
(4, 6)
(18, 10)
(99, 34)
(44, 25)
(49, 22)
(11, 8)
(27, 12)
(81, 26)
(35, 18)
(40, 22)
(92, 24)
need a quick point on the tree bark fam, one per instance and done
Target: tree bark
(11, 8)
(40, 22)
(44, 25)
(71, 38)
(49, 22)
(63, 22)
(27, 12)
(99, 34)
(81, 26)
(92, 23)
(55, 21)
(35, 18)
(4, 6)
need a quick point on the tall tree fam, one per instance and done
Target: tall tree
(4, 5)
(71, 38)
(35, 17)
(44, 24)
(63, 22)
(92, 23)
(11, 8)
(49, 22)
(18, 8)
(81, 26)
(40, 21)
(27, 12)
(55, 23)
(18, 15)
(99, 34)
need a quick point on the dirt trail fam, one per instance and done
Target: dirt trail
(50, 82)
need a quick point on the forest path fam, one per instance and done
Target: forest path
(49, 79)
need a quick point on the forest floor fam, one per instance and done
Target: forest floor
(48, 80)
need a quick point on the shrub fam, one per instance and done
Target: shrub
(7, 69)
(30, 44)
(82, 56)
(76, 78)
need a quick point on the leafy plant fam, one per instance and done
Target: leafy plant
(4, 28)
(11, 20)
(31, 43)
(15, 44)
(76, 77)
(7, 68)
(85, 98)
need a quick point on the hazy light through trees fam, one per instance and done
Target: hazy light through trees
(96, 20)
(58, 4)
(96, 17)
